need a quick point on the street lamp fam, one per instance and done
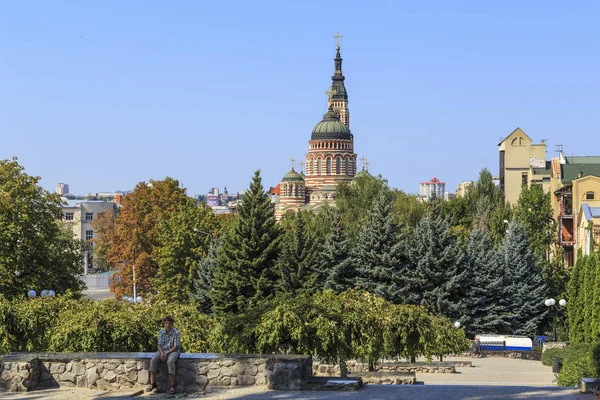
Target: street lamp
(457, 324)
(551, 304)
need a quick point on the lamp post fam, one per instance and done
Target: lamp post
(551, 304)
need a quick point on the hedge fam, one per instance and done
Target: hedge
(580, 360)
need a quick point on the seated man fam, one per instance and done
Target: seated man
(169, 347)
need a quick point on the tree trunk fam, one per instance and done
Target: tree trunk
(343, 369)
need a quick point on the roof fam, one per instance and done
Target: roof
(331, 127)
(573, 171)
(520, 131)
(275, 190)
(590, 212)
(293, 176)
(583, 160)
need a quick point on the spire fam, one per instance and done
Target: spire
(337, 84)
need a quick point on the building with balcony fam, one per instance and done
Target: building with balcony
(79, 215)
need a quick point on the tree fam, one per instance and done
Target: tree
(524, 289)
(245, 274)
(378, 256)
(36, 250)
(184, 237)
(135, 239)
(485, 308)
(576, 303)
(438, 275)
(534, 212)
(202, 281)
(103, 225)
(335, 259)
(408, 210)
(298, 255)
(352, 200)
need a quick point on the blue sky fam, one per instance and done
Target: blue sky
(104, 94)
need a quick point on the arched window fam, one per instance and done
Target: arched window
(311, 166)
(328, 165)
(589, 196)
(295, 190)
(338, 165)
(319, 168)
(347, 166)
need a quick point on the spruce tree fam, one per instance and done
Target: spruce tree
(438, 275)
(485, 303)
(589, 290)
(202, 281)
(524, 288)
(298, 262)
(245, 274)
(335, 259)
(378, 255)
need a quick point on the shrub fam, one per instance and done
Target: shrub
(550, 354)
(579, 360)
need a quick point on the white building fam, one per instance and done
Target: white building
(79, 215)
(62, 189)
(432, 188)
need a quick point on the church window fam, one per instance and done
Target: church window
(311, 166)
(319, 168)
(338, 165)
(347, 166)
(328, 165)
(295, 190)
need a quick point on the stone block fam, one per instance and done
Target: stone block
(203, 369)
(260, 379)
(110, 376)
(67, 377)
(226, 371)
(132, 375)
(69, 366)
(247, 380)
(201, 381)
(57, 368)
(78, 369)
(81, 381)
(100, 368)
(89, 365)
(213, 373)
(251, 370)
(143, 377)
(130, 365)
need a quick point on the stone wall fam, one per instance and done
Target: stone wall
(321, 369)
(525, 355)
(114, 371)
(554, 345)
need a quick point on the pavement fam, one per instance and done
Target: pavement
(98, 294)
(488, 379)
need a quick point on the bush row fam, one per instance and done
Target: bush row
(580, 360)
(333, 327)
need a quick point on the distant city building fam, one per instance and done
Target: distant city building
(432, 188)
(62, 189)
(78, 215)
(212, 198)
(461, 189)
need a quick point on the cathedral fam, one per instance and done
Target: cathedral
(330, 158)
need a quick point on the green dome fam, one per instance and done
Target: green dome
(292, 176)
(331, 128)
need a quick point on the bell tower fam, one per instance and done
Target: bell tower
(338, 97)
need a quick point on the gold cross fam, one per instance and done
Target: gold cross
(301, 163)
(367, 163)
(293, 162)
(338, 39)
(330, 93)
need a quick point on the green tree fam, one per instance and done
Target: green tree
(408, 210)
(335, 259)
(523, 284)
(438, 276)
(185, 237)
(534, 212)
(352, 200)
(202, 281)
(298, 257)
(576, 302)
(245, 274)
(36, 250)
(485, 309)
(379, 253)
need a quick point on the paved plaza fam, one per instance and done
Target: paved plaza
(488, 379)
